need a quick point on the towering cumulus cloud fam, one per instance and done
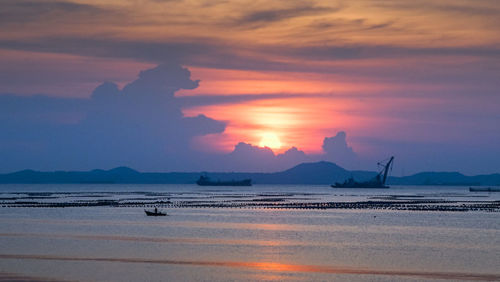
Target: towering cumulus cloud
(337, 149)
(141, 126)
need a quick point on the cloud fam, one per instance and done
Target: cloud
(433, 64)
(353, 52)
(165, 79)
(146, 120)
(39, 109)
(276, 50)
(247, 157)
(250, 156)
(477, 8)
(336, 148)
(141, 126)
(210, 99)
(23, 11)
(190, 51)
(292, 156)
(268, 16)
(107, 90)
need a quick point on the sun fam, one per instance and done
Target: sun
(270, 140)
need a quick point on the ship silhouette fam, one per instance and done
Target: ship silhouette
(206, 181)
(377, 182)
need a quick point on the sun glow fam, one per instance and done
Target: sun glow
(295, 122)
(270, 140)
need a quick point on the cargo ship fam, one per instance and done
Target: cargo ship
(206, 181)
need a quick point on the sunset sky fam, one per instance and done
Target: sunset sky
(352, 82)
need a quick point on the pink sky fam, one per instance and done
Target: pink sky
(385, 72)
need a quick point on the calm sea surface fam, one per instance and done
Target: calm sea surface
(244, 244)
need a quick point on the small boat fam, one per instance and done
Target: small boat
(155, 213)
(206, 181)
(484, 189)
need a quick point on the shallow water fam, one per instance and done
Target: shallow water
(246, 244)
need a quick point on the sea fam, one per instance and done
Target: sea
(100, 232)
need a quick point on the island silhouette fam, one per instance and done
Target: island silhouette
(316, 173)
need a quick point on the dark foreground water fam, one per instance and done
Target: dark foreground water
(118, 242)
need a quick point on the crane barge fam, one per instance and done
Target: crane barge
(377, 182)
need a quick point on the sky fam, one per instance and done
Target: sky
(188, 85)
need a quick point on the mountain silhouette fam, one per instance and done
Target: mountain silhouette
(318, 173)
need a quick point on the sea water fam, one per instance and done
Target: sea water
(245, 244)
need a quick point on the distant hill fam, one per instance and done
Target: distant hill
(307, 173)
(320, 173)
(446, 178)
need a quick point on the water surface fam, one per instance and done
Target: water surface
(245, 244)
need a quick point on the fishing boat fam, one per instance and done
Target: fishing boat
(206, 181)
(155, 213)
(377, 182)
